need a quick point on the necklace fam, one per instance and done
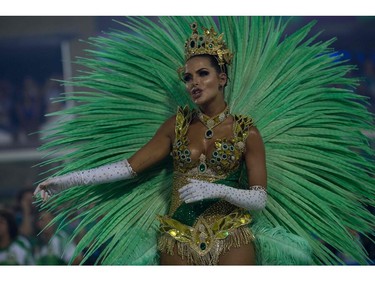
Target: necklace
(211, 123)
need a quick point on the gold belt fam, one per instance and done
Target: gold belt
(202, 236)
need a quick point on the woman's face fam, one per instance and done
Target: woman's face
(203, 82)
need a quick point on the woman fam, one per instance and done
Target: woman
(205, 84)
(285, 86)
(197, 156)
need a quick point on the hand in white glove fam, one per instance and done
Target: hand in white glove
(108, 173)
(252, 199)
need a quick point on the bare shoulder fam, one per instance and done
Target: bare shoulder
(167, 128)
(170, 123)
(254, 138)
(254, 133)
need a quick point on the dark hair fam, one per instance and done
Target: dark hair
(11, 221)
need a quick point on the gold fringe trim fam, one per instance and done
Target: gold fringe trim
(241, 236)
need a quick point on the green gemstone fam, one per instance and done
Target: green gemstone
(209, 133)
(203, 246)
(202, 167)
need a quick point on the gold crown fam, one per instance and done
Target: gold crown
(207, 43)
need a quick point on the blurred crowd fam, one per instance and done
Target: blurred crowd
(23, 107)
(28, 238)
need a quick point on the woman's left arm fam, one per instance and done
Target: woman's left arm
(255, 159)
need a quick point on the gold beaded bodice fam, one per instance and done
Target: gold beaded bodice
(204, 229)
(226, 158)
(227, 155)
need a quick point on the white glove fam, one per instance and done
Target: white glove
(107, 173)
(252, 199)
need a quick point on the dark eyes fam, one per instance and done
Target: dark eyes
(188, 77)
(203, 73)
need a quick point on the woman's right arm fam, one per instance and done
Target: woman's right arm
(156, 149)
(150, 154)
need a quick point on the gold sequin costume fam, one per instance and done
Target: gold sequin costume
(203, 230)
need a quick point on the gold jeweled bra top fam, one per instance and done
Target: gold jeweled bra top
(224, 160)
(227, 155)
